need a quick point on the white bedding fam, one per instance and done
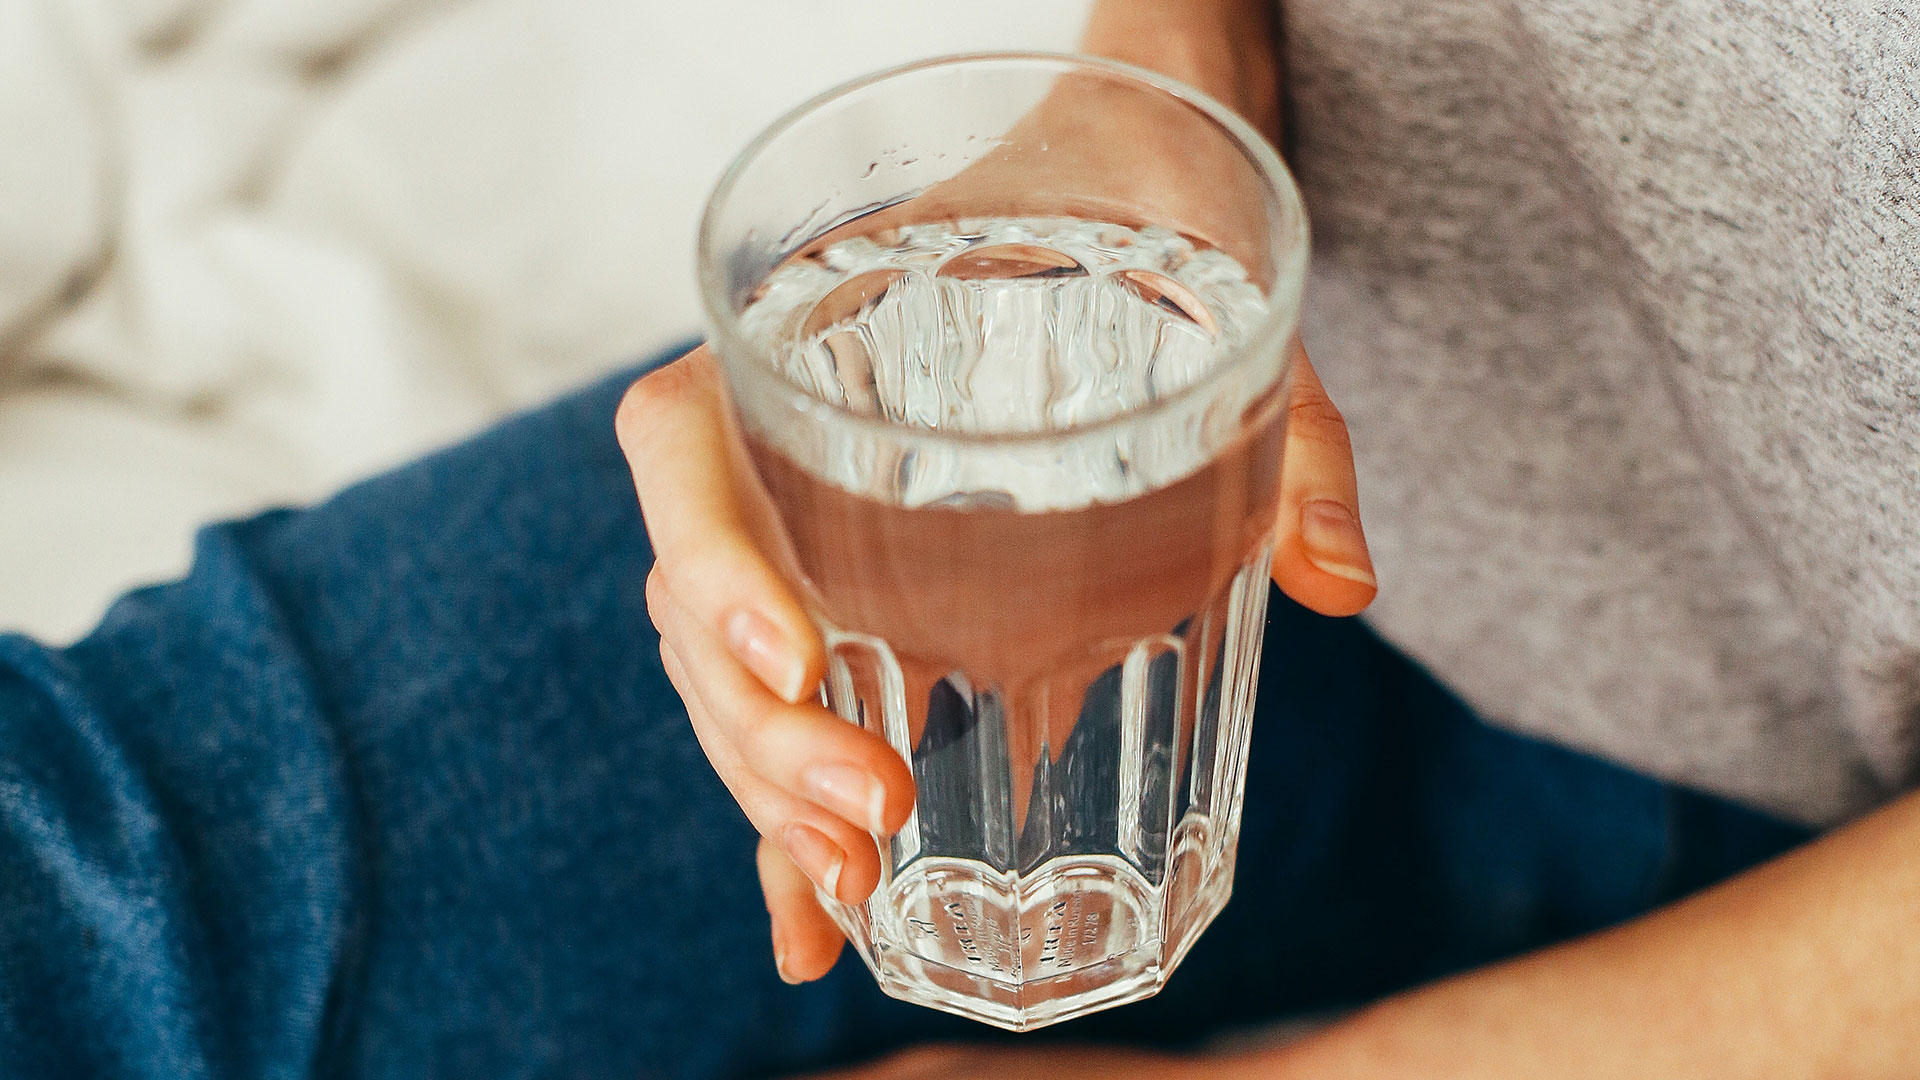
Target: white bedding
(252, 249)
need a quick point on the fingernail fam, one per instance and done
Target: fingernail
(817, 857)
(780, 958)
(852, 793)
(758, 644)
(1334, 542)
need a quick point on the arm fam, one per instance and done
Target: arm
(1809, 966)
(735, 641)
(1223, 47)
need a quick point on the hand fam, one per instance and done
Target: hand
(746, 659)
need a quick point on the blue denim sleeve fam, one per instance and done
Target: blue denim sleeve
(175, 837)
(389, 786)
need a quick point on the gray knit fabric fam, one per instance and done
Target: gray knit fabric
(1622, 301)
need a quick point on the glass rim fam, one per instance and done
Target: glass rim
(1289, 253)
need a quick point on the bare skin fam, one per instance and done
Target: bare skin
(1807, 967)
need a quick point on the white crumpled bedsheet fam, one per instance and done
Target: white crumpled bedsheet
(253, 249)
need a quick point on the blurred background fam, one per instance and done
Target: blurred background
(251, 250)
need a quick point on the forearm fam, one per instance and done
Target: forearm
(1809, 966)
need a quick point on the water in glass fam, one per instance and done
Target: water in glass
(1061, 640)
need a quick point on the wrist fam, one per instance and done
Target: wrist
(1224, 48)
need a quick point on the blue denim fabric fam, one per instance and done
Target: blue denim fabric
(395, 786)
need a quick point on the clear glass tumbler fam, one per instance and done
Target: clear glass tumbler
(1007, 339)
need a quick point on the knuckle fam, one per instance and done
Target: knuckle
(661, 392)
(1315, 411)
(723, 572)
(637, 406)
(757, 729)
(1316, 419)
(765, 811)
(681, 587)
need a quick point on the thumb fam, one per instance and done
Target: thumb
(1320, 556)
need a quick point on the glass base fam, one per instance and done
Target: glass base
(1081, 935)
(1066, 847)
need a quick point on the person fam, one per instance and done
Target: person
(1618, 302)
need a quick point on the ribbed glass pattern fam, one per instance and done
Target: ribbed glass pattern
(1060, 858)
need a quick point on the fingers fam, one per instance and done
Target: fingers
(808, 780)
(805, 941)
(1320, 554)
(749, 651)
(673, 428)
(802, 750)
(741, 650)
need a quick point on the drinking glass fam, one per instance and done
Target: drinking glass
(1007, 342)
